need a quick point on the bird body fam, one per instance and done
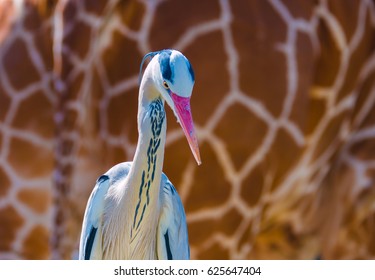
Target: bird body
(134, 212)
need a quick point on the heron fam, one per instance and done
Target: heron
(134, 211)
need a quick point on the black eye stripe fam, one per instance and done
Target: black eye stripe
(165, 85)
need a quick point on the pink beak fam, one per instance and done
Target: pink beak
(182, 105)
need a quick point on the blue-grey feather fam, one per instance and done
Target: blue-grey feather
(165, 65)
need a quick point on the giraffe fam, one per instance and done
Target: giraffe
(26, 132)
(283, 104)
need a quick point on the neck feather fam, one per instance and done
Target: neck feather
(146, 170)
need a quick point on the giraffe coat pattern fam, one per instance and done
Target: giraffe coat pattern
(284, 102)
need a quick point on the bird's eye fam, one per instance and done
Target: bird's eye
(165, 85)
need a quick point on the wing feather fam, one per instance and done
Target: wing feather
(172, 236)
(90, 245)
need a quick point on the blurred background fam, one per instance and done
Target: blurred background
(283, 105)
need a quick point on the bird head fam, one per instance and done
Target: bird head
(173, 77)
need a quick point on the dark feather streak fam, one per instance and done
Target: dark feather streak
(90, 243)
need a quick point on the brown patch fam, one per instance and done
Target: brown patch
(316, 112)
(70, 119)
(10, 222)
(29, 160)
(252, 186)
(214, 252)
(38, 200)
(122, 59)
(43, 42)
(30, 118)
(96, 7)
(328, 62)
(368, 225)
(5, 183)
(169, 25)
(243, 133)
(212, 78)
(115, 154)
(43, 7)
(282, 157)
(364, 150)
(66, 169)
(132, 13)
(67, 147)
(202, 230)
(229, 223)
(36, 244)
(177, 157)
(79, 39)
(4, 103)
(122, 115)
(208, 191)
(18, 65)
(256, 19)
(305, 72)
(300, 9)
(260, 62)
(32, 19)
(70, 11)
(98, 90)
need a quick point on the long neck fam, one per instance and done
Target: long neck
(149, 156)
(151, 130)
(145, 173)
